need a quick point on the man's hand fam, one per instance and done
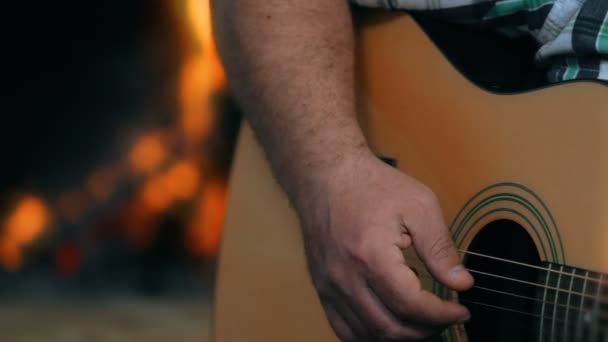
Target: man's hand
(362, 216)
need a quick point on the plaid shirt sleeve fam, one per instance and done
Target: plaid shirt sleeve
(572, 34)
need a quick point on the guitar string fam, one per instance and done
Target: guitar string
(581, 311)
(602, 299)
(562, 322)
(527, 314)
(523, 313)
(534, 266)
(568, 308)
(501, 308)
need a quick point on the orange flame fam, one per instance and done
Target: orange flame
(205, 232)
(202, 73)
(147, 154)
(196, 119)
(11, 255)
(183, 180)
(156, 195)
(26, 223)
(180, 182)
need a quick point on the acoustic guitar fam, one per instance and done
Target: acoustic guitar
(522, 179)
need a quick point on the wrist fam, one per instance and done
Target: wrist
(316, 181)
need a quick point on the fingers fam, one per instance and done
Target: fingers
(434, 245)
(399, 289)
(350, 317)
(383, 325)
(339, 325)
(363, 317)
(338, 294)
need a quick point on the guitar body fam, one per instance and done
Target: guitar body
(521, 177)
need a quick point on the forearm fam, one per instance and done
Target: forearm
(290, 65)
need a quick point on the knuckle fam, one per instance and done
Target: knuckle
(442, 247)
(389, 332)
(423, 206)
(427, 198)
(417, 205)
(378, 327)
(359, 254)
(334, 273)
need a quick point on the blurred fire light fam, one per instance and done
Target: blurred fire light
(179, 182)
(155, 194)
(201, 74)
(147, 154)
(183, 180)
(11, 255)
(196, 119)
(205, 231)
(26, 223)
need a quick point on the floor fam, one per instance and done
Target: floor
(133, 320)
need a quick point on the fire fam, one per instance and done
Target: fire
(26, 223)
(201, 75)
(196, 116)
(156, 195)
(179, 182)
(199, 17)
(206, 228)
(11, 255)
(183, 180)
(148, 154)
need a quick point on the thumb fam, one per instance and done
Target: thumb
(436, 249)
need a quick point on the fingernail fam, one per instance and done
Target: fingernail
(458, 271)
(465, 318)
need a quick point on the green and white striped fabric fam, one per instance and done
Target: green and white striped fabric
(572, 34)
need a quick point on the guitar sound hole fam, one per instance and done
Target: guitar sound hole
(502, 309)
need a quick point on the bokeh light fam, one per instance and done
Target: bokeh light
(26, 223)
(148, 153)
(183, 180)
(205, 232)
